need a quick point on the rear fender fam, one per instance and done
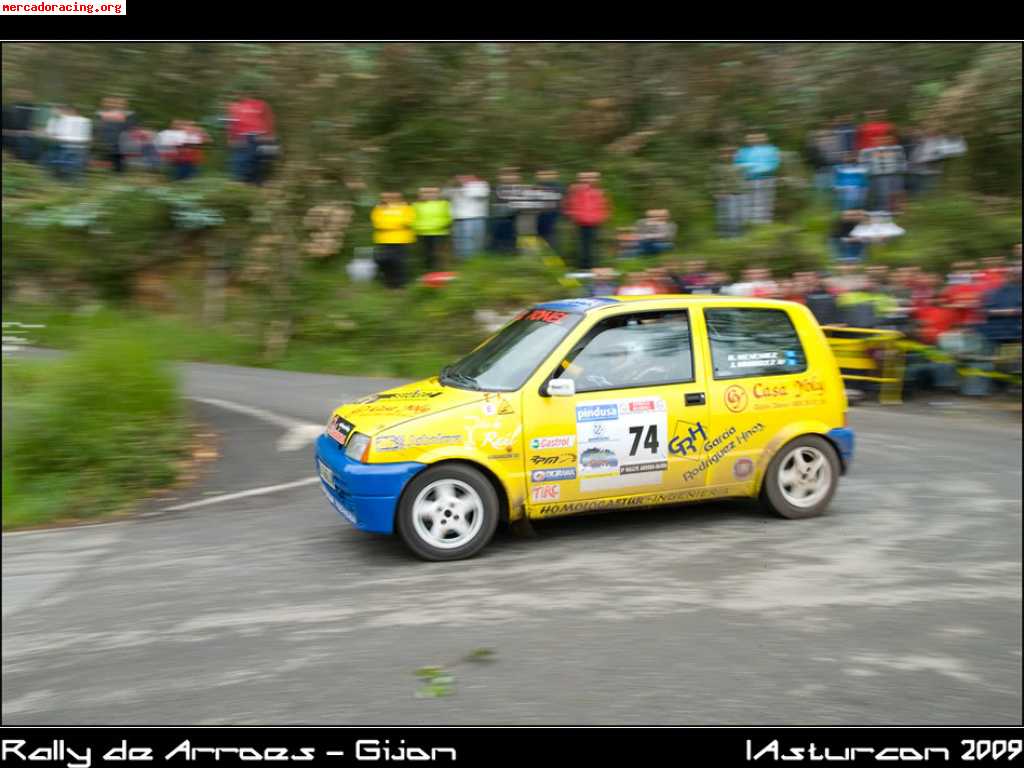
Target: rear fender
(789, 432)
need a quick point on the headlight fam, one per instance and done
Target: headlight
(357, 447)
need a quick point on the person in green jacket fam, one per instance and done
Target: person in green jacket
(432, 224)
(867, 307)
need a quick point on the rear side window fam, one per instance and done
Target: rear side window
(753, 342)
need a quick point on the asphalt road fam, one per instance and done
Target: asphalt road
(901, 606)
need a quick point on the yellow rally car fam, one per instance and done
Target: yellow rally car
(593, 404)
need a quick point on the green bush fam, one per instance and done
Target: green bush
(943, 229)
(364, 328)
(108, 230)
(90, 433)
(175, 337)
(782, 248)
(24, 180)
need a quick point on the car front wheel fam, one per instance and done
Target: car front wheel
(448, 512)
(802, 478)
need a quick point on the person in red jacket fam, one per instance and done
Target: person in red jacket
(933, 321)
(587, 206)
(876, 132)
(250, 134)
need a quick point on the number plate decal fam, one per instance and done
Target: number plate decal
(621, 443)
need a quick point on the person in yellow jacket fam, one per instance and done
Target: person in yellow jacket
(433, 222)
(392, 220)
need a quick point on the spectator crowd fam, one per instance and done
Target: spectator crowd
(865, 170)
(472, 216)
(972, 312)
(469, 216)
(67, 142)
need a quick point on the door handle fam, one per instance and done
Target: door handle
(695, 398)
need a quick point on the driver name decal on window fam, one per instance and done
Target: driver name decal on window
(762, 359)
(749, 342)
(621, 443)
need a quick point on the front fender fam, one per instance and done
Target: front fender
(507, 471)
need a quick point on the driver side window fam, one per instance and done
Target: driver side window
(639, 350)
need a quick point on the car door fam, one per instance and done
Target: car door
(634, 421)
(757, 384)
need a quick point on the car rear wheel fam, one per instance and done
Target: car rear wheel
(448, 512)
(802, 478)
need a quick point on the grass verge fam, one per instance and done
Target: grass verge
(88, 434)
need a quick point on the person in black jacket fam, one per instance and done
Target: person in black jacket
(847, 247)
(547, 219)
(508, 195)
(821, 303)
(817, 153)
(19, 121)
(113, 121)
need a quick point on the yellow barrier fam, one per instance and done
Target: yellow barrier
(853, 349)
(854, 346)
(1007, 356)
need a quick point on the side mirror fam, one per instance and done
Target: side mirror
(561, 388)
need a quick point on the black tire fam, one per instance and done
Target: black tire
(460, 473)
(772, 496)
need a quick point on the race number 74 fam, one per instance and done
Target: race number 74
(650, 442)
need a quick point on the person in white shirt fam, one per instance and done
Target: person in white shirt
(469, 201)
(754, 282)
(169, 142)
(886, 164)
(71, 132)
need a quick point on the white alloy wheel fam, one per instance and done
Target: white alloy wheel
(447, 514)
(805, 476)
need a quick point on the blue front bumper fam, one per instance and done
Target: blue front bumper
(364, 494)
(842, 438)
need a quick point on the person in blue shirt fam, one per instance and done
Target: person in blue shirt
(759, 161)
(1002, 308)
(850, 184)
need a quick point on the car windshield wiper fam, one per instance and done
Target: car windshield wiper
(458, 379)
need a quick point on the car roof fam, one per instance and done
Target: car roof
(660, 301)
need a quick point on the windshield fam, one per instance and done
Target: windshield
(505, 362)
